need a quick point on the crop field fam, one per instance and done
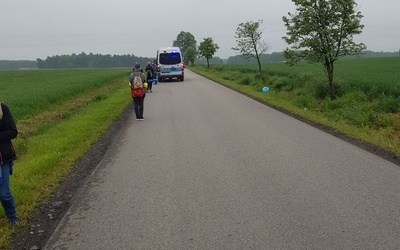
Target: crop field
(59, 115)
(375, 75)
(29, 92)
(378, 75)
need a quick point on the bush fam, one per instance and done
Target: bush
(246, 80)
(321, 90)
(377, 121)
(359, 115)
(303, 102)
(387, 104)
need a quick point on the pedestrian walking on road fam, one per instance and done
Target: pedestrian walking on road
(150, 72)
(8, 131)
(155, 68)
(136, 80)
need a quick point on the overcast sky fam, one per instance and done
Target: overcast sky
(31, 29)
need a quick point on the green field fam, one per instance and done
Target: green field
(31, 92)
(59, 114)
(374, 76)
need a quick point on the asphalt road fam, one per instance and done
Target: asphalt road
(210, 168)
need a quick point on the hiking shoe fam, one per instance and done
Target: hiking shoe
(13, 221)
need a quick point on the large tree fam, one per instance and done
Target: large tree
(207, 49)
(184, 40)
(321, 31)
(250, 42)
(190, 55)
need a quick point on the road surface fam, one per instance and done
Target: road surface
(210, 168)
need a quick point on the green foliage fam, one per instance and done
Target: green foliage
(245, 81)
(98, 98)
(207, 49)
(366, 88)
(250, 44)
(303, 101)
(321, 90)
(54, 133)
(214, 60)
(89, 61)
(14, 64)
(249, 40)
(322, 32)
(30, 92)
(387, 104)
(184, 40)
(190, 54)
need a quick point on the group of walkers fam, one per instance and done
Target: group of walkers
(141, 84)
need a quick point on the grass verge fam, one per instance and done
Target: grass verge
(352, 114)
(56, 139)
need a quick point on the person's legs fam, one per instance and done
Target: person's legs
(150, 85)
(6, 197)
(136, 105)
(141, 107)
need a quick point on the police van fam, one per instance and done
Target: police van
(170, 64)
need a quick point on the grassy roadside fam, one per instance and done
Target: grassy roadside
(50, 143)
(353, 105)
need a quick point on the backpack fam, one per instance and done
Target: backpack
(149, 74)
(137, 86)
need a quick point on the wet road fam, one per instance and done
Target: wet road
(212, 169)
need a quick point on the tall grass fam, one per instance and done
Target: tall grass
(30, 92)
(59, 114)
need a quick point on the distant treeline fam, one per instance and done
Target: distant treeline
(90, 61)
(76, 61)
(278, 57)
(108, 61)
(23, 64)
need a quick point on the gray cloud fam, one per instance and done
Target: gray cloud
(41, 28)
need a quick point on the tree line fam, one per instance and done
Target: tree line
(90, 61)
(237, 59)
(318, 32)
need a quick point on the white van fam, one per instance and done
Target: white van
(170, 64)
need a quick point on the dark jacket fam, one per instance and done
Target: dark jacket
(150, 68)
(8, 131)
(150, 73)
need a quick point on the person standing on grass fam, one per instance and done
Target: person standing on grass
(8, 131)
(136, 79)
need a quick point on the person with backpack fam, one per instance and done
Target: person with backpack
(154, 65)
(150, 72)
(136, 80)
(8, 131)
